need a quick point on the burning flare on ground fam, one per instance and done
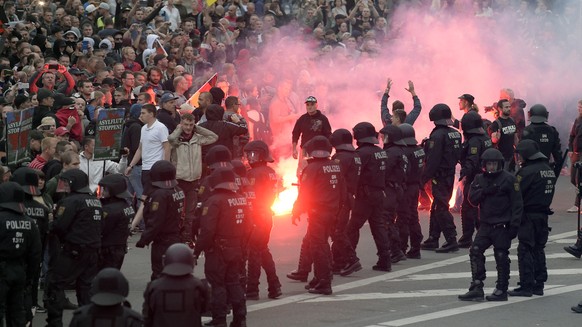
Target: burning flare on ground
(286, 169)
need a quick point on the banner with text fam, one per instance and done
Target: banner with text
(108, 133)
(18, 126)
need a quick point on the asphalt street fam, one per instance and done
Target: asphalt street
(416, 293)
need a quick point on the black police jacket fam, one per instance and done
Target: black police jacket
(19, 242)
(224, 220)
(162, 296)
(39, 212)
(416, 159)
(548, 138)
(321, 189)
(443, 151)
(88, 314)
(117, 214)
(536, 179)
(78, 220)
(373, 175)
(396, 165)
(263, 182)
(162, 213)
(351, 168)
(473, 148)
(498, 197)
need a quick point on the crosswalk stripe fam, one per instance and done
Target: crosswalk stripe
(554, 272)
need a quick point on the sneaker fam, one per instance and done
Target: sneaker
(521, 291)
(69, 305)
(497, 295)
(351, 268)
(573, 209)
(299, 276)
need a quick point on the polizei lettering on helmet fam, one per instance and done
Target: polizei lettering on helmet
(18, 224)
(331, 169)
(237, 202)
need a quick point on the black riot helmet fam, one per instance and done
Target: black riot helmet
(28, 179)
(163, 174)
(218, 156)
(365, 132)
(492, 155)
(408, 134)
(12, 197)
(258, 151)
(74, 181)
(178, 260)
(223, 178)
(318, 147)
(529, 150)
(109, 287)
(441, 114)
(341, 139)
(116, 185)
(394, 134)
(471, 123)
(538, 113)
(239, 168)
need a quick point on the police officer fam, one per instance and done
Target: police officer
(370, 195)
(77, 224)
(396, 167)
(497, 194)
(408, 223)
(545, 135)
(344, 256)
(117, 214)
(176, 288)
(28, 179)
(163, 214)
(475, 143)
(263, 182)
(537, 180)
(323, 178)
(20, 253)
(442, 154)
(108, 292)
(224, 228)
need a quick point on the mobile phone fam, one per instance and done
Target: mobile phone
(53, 66)
(85, 46)
(23, 86)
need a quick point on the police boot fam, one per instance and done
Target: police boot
(577, 308)
(323, 287)
(521, 291)
(351, 268)
(450, 246)
(431, 243)
(238, 323)
(413, 253)
(465, 241)
(475, 292)
(298, 275)
(383, 264)
(274, 289)
(576, 249)
(538, 289)
(216, 322)
(397, 256)
(497, 295)
(312, 283)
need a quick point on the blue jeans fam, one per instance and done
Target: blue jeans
(135, 182)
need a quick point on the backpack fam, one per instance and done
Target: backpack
(261, 131)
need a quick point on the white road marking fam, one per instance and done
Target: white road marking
(551, 272)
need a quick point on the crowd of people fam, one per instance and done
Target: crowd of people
(194, 168)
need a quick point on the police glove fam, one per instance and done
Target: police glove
(141, 244)
(513, 230)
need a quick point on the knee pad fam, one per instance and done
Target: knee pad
(501, 255)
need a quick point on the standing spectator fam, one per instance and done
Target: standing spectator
(226, 131)
(516, 113)
(48, 145)
(46, 99)
(504, 133)
(96, 170)
(130, 141)
(167, 114)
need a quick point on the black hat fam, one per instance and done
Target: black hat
(318, 147)
(408, 134)
(62, 100)
(75, 71)
(394, 134)
(43, 94)
(163, 174)
(28, 179)
(36, 135)
(468, 97)
(19, 100)
(178, 260)
(219, 156)
(311, 98)
(260, 147)
(116, 185)
(109, 287)
(472, 123)
(529, 150)
(538, 113)
(223, 178)
(341, 139)
(365, 132)
(12, 197)
(77, 179)
(441, 114)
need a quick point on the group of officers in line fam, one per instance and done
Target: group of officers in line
(338, 195)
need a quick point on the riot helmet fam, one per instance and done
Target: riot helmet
(441, 115)
(28, 179)
(239, 168)
(178, 260)
(394, 134)
(365, 132)
(223, 178)
(529, 150)
(472, 123)
(12, 197)
(341, 139)
(489, 157)
(218, 156)
(257, 151)
(114, 185)
(408, 134)
(109, 287)
(163, 174)
(538, 113)
(73, 181)
(318, 147)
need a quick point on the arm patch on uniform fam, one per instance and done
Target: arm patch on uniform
(516, 186)
(61, 211)
(201, 189)
(155, 206)
(519, 178)
(204, 211)
(474, 150)
(430, 144)
(104, 214)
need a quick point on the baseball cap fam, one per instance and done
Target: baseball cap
(468, 97)
(103, 5)
(43, 94)
(168, 97)
(90, 8)
(310, 98)
(61, 131)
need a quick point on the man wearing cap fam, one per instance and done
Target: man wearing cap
(109, 290)
(62, 134)
(46, 100)
(167, 114)
(104, 13)
(161, 62)
(310, 124)
(34, 144)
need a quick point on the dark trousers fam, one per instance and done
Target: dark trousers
(533, 236)
(260, 256)
(222, 270)
(113, 256)
(408, 222)
(319, 230)
(500, 238)
(12, 285)
(393, 198)
(73, 264)
(190, 202)
(159, 248)
(341, 248)
(469, 213)
(441, 218)
(369, 206)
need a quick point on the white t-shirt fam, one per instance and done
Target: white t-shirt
(172, 16)
(152, 148)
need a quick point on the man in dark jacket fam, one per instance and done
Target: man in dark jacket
(225, 130)
(130, 141)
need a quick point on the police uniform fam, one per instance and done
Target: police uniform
(476, 142)
(408, 223)
(177, 298)
(20, 254)
(321, 191)
(537, 180)
(442, 155)
(117, 214)
(224, 227)
(500, 210)
(77, 224)
(163, 214)
(262, 191)
(546, 136)
(370, 195)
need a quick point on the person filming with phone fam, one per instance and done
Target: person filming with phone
(53, 77)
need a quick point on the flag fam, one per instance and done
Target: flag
(193, 101)
(210, 2)
(160, 48)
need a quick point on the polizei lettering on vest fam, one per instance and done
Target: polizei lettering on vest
(237, 202)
